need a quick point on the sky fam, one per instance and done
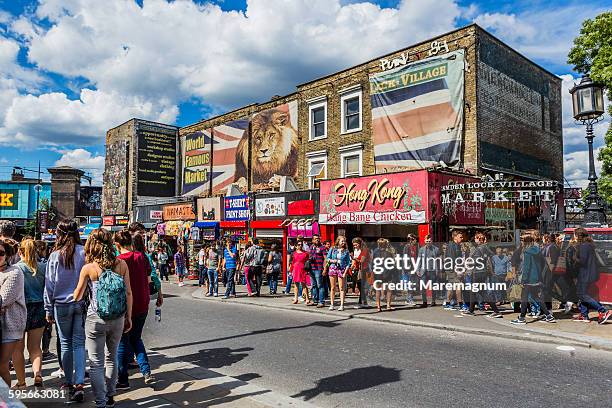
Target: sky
(72, 69)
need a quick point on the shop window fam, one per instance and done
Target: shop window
(350, 106)
(317, 113)
(317, 171)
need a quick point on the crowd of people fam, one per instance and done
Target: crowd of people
(96, 295)
(541, 269)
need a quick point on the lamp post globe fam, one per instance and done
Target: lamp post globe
(588, 108)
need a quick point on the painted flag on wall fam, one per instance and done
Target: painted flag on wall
(417, 114)
(225, 143)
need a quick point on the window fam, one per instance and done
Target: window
(351, 158)
(317, 170)
(317, 113)
(350, 106)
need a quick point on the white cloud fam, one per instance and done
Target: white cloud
(83, 160)
(576, 167)
(54, 120)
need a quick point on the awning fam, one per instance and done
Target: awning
(233, 224)
(206, 224)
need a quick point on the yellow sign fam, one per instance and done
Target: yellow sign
(6, 199)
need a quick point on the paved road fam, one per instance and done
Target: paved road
(331, 361)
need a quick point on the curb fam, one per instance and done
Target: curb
(537, 336)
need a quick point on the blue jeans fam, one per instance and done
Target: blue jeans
(231, 288)
(586, 300)
(71, 332)
(201, 275)
(213, 281)
(131, 343)
(318, 291)
(289, 282)
(273, 282)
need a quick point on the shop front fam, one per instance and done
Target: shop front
(281, 217)
(236, 214)
(115, 222)
(205, 231)
(175, 231)
(389, 205)
(149, 215)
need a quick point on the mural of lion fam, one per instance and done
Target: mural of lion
(274, 148)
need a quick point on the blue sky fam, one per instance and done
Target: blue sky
(70, 69)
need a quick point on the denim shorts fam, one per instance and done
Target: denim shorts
(180, 271)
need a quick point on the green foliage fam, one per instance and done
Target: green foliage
(592, 54)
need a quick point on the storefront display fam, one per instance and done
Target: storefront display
(176, 229)
(235, 217)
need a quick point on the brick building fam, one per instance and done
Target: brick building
(508, 120)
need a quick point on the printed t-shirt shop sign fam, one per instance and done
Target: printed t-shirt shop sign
(398, 198)
(236, 208)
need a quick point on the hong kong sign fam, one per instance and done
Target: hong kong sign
(395, 198)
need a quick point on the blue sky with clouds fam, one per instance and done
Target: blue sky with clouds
(70, 69)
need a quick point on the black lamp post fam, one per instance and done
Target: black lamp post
(588, 106)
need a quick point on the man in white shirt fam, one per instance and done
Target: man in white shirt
(202, 267)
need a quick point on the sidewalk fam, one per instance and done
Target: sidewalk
(565, 331)
(181, 384)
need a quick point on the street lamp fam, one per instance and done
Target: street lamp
(588, 107)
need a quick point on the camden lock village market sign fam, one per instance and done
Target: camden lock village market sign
(499, 191)
(397, 198)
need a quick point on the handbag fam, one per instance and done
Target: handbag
(514, 293)
(307, 266)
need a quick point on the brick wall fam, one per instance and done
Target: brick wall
(519, 112)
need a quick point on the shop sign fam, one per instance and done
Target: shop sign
(122, 220)
(95, 219)
(398, 198)
(108, 220)
(43, 221)
(178, 212)
(209, 209)
(9, 199)
(301, 207)
(270, 207)
(499, 191)
(236, 208)
(572, 200)
(504, 218)
(156, 214)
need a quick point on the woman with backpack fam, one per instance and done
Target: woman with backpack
(14, 311)
(274, 268)
(131, 342)
(61, 279)
(34, 286)
(109, 313)
(532, 280)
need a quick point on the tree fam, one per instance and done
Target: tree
(592, 54)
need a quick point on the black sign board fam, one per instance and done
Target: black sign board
(156, 160)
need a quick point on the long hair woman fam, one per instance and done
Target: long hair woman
(13, 307)
(298, 269)
(61, 278)
(339, 259)
(34, 278)
(103, 336)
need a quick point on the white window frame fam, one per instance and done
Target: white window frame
(348, 151)
(350, 94)
(316, 158)
(312, 105)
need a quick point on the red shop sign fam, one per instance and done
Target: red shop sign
(301, 207)
(394, 198)
(108, 220)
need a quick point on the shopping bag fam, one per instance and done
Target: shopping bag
(514, 293)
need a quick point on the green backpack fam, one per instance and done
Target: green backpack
(111, 298)
(155, 284)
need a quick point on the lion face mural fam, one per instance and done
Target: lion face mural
(274, 148)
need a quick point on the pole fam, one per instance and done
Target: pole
(594, 213)
(39, 187)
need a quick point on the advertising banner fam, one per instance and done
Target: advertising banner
(503, 218)
(108, 220)
(457, 213)
(270, 207)
(274, 146)
(417, 113)
(230, 150)
(398, 198)
(209, 209)
(156, 215)
(9, 199)
(156, 160)
(115, 178)
(196, 160)
(236, 208)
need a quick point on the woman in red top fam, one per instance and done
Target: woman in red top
(300, 273)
